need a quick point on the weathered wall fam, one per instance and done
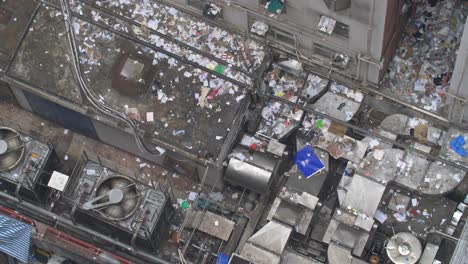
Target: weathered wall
(459, 81)
(300, 20)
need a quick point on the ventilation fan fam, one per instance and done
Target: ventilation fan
(11, 148)
(116, 198)
(404, 248)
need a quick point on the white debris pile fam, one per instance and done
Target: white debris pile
(284, 84)
(347, 92)
(142, 33)
(314, 85)
(279, 119)
(259, 28)
(229, 47)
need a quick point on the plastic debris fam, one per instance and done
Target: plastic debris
(259, 28)
(421, 69)
(308, 162)
(457, 145)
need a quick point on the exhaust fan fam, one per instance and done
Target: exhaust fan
(11, 148)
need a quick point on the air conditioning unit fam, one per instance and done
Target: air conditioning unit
(23, 160)
(119, 206)
(337, 5)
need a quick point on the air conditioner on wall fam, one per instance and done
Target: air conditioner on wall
(337, 5)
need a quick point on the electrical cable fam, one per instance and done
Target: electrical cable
(101, 106)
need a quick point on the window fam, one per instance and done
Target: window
(337, 5)
(341, 29)
(209, 9)
(324, 52)
(330, 26)
(282, 36)
(198, 4)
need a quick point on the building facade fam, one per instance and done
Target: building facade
(367, 31)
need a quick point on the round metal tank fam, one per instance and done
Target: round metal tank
(254, 174)
(404, 248)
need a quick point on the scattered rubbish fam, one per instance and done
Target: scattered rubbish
(314, 86)
(378, 154)
(259, 28)
(65, 132)
(178, 132)
(142, 165)
(212, 11)
(132, 113)
(380, 216)
(160, 150)
(275, 6)
(326, 25)
(185, 205)
(400, 217)
(292, 66)
(216, 196)
(149, 117)
(373, 143)
(192, 196)
(421, 69)
(65, 157)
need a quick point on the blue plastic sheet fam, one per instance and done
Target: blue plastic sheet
(457, 145)
(307, 162)
(222, 259)
(15, 238)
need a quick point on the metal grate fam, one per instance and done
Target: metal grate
(341, 29)
(15, 238)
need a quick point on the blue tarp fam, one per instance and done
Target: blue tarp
(15, 238)
(307, 162)
(222, 259)
(457, 145)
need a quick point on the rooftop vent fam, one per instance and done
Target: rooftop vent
(133, 75)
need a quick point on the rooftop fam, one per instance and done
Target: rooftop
(185, 99)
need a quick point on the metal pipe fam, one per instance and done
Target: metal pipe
(67, 223)
(137, 229)
(358, 71)
(17, 190)
(437, 232)
(370, 28)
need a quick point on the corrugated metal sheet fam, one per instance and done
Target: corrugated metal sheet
(15, 238)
